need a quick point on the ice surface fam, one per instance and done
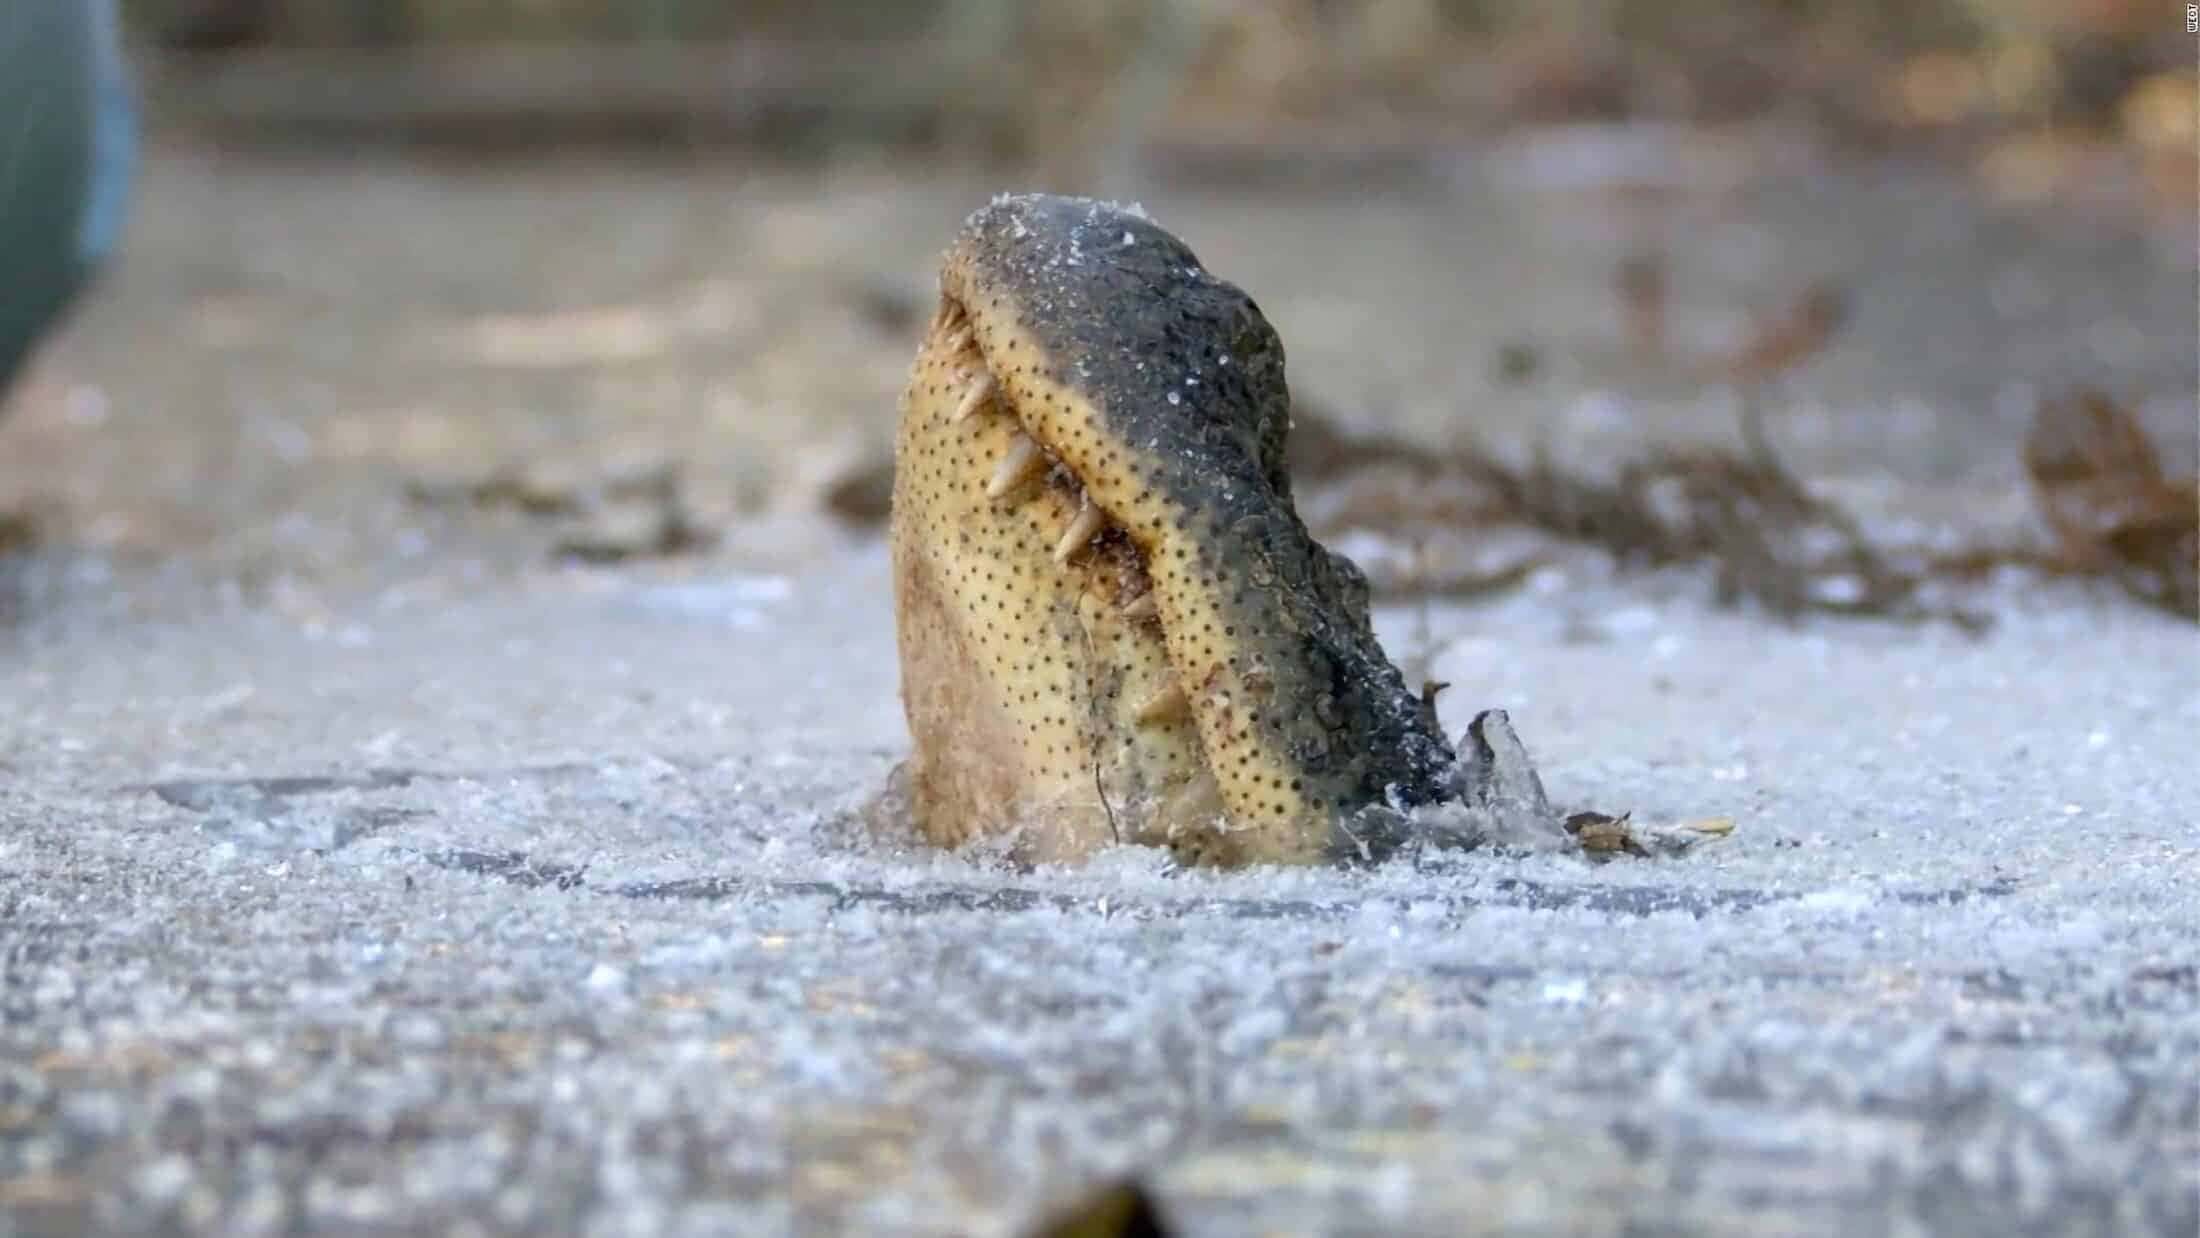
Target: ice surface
(551, 914)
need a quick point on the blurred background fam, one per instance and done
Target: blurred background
(416, 294)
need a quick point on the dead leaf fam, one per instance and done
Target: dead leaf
(863, 493)
(2163, 112)
(1122, 1210)
(1787, 340)
(1603, 835)
(1640, 282)
(2100, 487)
(17, 532)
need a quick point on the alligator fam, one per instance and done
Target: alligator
(1113, 625)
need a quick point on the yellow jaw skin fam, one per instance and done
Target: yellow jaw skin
(1039, 679)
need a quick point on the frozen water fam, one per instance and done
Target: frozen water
(549, 914)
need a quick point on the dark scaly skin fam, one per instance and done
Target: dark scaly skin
(1155, 391)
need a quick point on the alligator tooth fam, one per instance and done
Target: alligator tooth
(1082, 529)
(1022, 459)
(972, 399)
(1166, 705)
(1142, 607)
(958, 340)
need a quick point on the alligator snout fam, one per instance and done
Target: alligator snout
(1113, 624)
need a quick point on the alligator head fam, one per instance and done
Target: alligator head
(1113, 625)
